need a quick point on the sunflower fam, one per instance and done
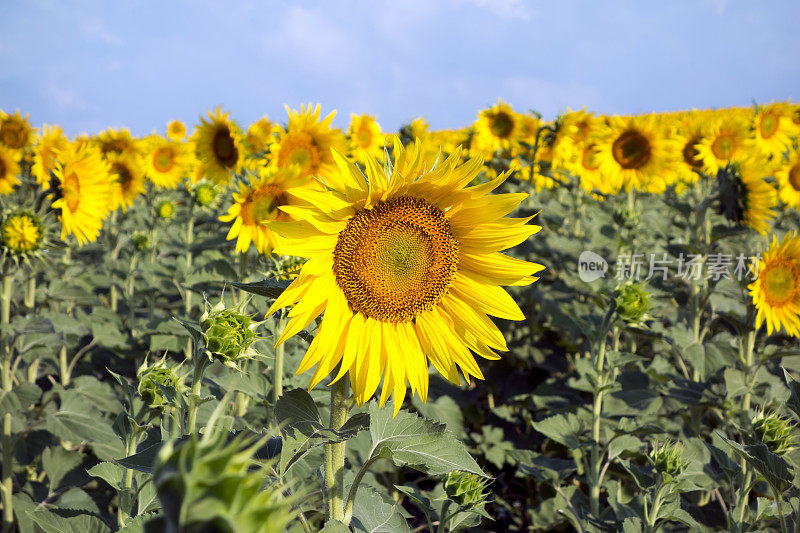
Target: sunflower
(307, 143)
(772, 127)
(9, 170)
(788, 177)
(776, 292)
(21, 233)
(260, 202)
(260, 135)
(15, 131)
(577, 127)
(165, 162)
(48, 144)
(745, 197)
(86, 192)
(497, 128)
(631, 153)
(688, 165)
(726, 141)
(406, 265)
(365, 137)
(116, 142)
(176, 130)
(218, 145)
(126, 170)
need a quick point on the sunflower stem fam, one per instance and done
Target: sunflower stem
(334, 453)
(30, 291)
(597, 410)
(5, 439)
(187, 299)
(200, 365)
(278, 371)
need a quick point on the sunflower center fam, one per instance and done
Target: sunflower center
(794, 177)
(48, 159)
(164, 159)
(262, 204)
(501, 124)
(582, 131)
(723, 146)
(116, 146)
(396, 260)
(780, 282)
(690, 153)
(72, 191)
(124, 177)
(365, 137)
(3, 169)
(589, 158)
(631, 150)
(299, 149)
(13, 136)
(768, 125)
(224, 148)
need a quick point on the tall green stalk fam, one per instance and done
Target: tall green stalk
(334, 453)
(8, 451)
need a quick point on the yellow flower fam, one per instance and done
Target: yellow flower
(128, 176)
(86, 192)
(9, 170)
(745, 196)
(260, 135)
(166, 162)
(307, 143)
(772, 127)
(726, 141)
(631, 153)
(788, 177)
(365, 136)
(15, 131)
(688, 165)
(406, 266)
(48, 145)
(497, 128)
(176, 130)
(259, 203)
(116, 142)
(776, 292)
(218, 145)
(166, 210)
(22, 233)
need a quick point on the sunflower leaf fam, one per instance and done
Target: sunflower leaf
(270, 288)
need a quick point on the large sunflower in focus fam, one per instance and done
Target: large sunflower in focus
(726, 141)
(218, 144)
(745, 197)
(307, 143)
(166, 162)
(776, 292)
(365, 136)
(15, 132)
(86, 192)
(788, 177)
(49, 143)
(631, 153)
(9, 170)
(128, 176)
(259, 203)
(406, 264)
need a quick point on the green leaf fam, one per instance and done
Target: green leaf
(794, 388)
(565, 429)
(632, 524)
(109, 472)
(410, 440)
(270, 288)
(88, 426)
(372, 514)
(52, 523)
(771, 466)
(9, 403)
(334, 526)
(543, 468)
(57, 462)
(623, 443)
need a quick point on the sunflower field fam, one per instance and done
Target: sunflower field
(583, 324)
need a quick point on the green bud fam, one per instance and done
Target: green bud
(228, 334)
(210, 485)
(626, 217)
(205, 194)
(667, 460)
(465, 489)
(158, 374)
(633, 303)
(777, 433)
(166, 209)
(141, 240)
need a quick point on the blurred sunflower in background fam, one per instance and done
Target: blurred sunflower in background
(165, 162)
(218, 145)
(631, 154)
(260, 134)
(788, 176)
(365, 137)
(406, 256)
(85, 192)
(261, 202)
(688, 164)
(307, 143)
(776, 292)
(497, 128)
(176, 130)
(9, 171)
(21, 232)
(772, 129)
(745, 197)
(128, 176)
(16, 133)
(115, 142)
(45, 152)
(725, 141)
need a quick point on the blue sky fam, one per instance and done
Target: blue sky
(92, 65)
